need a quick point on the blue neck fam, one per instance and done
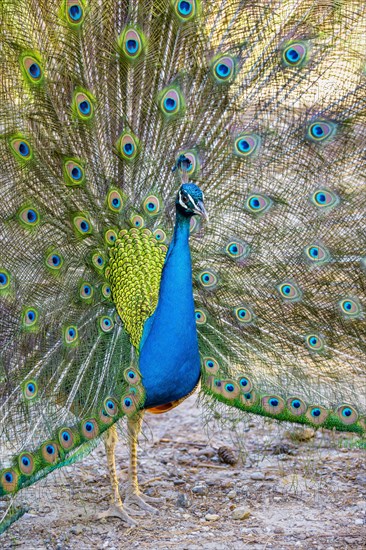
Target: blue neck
(169, 359)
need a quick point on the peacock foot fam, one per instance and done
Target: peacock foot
(118, 511)
(140, 501)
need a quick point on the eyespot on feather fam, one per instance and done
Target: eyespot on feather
(75, 12)
(70, 335)
(244, 315)
(29, 217)
(296, 406)
(200, 316)
(230, 389)
(246, 145)
(192, 156)
(30, 318)
(83, 105)
(350, 308)
(54, 261)
(347, 414)
(316, 414)
(26, 463)
(115, 200)
(21, 148)
(66, 438)
(237, 249)
(9, 480)
(245, 384)
(314, 342)
(106, 291)
(82, 224)
(324, 199)
(111, 406)
(295, 54)
(171, 102)
(289, 291)
(273, 404)
(160, 235)
(50, 452)
(320, 131)
(98, 261)
(186, 10)
(208, 279)
(132, 43)
(129, 404)
(223, 69)
(211, 365)
(4, 281)
(248, 399)
(106, 324)
(128, 146)
(30, 389)
(257, 204)
(317, 254)
(132, 376)
(110, 237)
(90, 429)
(137, 221)
(74, 173)
(86, 291)
(152, 205)
(32, 69)
(104, 417)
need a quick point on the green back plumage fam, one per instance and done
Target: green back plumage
(267, 100)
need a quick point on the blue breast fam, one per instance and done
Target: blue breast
(169, 359)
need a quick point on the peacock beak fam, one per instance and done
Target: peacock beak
(201, 210)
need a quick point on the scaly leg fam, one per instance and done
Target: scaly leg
(116, 507)
(133, 494)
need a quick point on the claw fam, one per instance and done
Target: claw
(117, 511)
(153, 500)
(140, 502)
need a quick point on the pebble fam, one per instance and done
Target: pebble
(179, 482)
(207, 451)
(200, 490)
(232, 494)
(241, 513)
(358, 521)
(361, 504)
(212, 517)
(183, 501)
(76, 530)
(257, 476)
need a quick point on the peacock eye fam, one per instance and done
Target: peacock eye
(185, 199)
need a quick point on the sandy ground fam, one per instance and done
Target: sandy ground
(288, 490)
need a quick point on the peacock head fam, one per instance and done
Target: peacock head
(189, 201)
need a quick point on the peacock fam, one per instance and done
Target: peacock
(182, 208)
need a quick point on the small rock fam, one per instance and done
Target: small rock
(278, 530)
(200, 490)
(207, 451)
(361, 478)
(257, 476)
(361, 504)
(179, 482)
(212, 517)
(232, 494)
(358, 521)
(183, 501)
(241, 513)
(76, 530)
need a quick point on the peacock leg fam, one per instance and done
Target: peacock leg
(133, 494)
(116, 508)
